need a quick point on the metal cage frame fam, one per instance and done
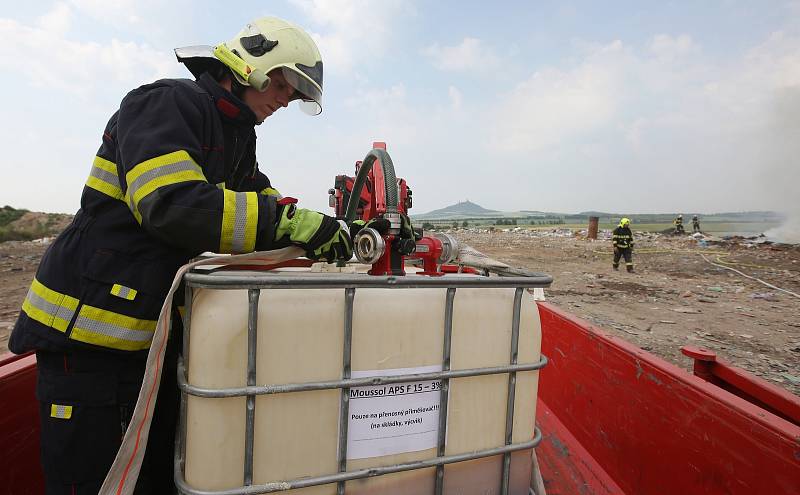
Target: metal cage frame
(349, 283)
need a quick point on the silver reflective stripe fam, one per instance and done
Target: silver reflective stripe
(124, 292)
(51, 309)
(60, 412)
(239, 223)
(184, 166)
(113, 331)
(105, 176)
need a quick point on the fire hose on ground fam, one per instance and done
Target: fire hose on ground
(718, 262)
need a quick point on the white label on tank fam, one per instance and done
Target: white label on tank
(392, 419)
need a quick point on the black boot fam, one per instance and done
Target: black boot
(616, 268)
(629, 268)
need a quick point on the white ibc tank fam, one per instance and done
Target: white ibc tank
(300, 339)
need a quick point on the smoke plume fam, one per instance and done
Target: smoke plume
(783, 162)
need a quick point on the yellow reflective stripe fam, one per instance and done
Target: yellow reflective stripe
(106, 165)
(166, 180)
(104, 178)
(49, 307)
(123, 292)
(44, 317)
(269, 191)
(53, 297)
(164, 170)
(104, 187)
(154, 163)
(108, 329)
(228, 220)
(251, 224)
(239, 222)
(60, 411)
(95, 338)
(116, 319)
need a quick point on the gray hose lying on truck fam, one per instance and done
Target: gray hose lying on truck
(471, 257)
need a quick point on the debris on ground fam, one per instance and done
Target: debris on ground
(656, 308)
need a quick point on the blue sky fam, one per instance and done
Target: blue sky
(557, 106)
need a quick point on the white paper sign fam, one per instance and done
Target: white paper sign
(392, 419)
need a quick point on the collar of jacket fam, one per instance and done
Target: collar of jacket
(230, 108)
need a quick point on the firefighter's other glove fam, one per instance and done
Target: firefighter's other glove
(322, 237)
(379, 224)
(407, 230)
(382, 226)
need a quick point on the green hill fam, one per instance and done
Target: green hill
(24, 225)
(464, 209)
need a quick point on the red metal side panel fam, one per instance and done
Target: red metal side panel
(655, 428)
(20, 470)
(565, 465)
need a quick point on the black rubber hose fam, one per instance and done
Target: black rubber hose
(389, 179)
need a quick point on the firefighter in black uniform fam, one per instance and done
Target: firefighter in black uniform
(678, 222)
(695, 224)
(622, 239)
(176, 175)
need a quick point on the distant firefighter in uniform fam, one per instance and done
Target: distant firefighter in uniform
(678, 222)
(622, 239)
(695, 224)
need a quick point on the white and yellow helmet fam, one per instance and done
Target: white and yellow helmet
(264, 45)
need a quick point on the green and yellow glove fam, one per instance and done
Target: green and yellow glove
(322, 237)
(380, 224)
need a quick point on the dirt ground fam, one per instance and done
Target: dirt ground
(18, 262)
(675, 298)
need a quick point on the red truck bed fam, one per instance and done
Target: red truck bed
(615, 419)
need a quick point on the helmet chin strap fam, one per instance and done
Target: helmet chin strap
(237, 88)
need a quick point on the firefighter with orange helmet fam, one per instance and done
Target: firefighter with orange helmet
(176, 175)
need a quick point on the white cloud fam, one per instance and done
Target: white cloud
(663, 113)
(116, 12)
(456, 98)
(77, 67)
(57, 20)
(353, 31)
(554, 105)
(670, 47)
(378, 99)
(390, 114)
(469, 55)
(154, 20)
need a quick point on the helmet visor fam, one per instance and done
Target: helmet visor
(308, 94)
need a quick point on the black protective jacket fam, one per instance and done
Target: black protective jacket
(622, 238)
(176, 175)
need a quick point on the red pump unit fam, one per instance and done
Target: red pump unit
(376, 199)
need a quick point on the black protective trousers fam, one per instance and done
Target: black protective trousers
(101, 389)
(627, 253)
